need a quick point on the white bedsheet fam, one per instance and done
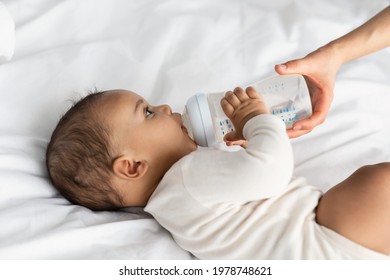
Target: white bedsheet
(7, 34)
(166, 51)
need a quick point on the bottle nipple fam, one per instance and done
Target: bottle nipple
(187, 123)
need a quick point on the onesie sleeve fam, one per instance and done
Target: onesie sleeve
(260, 171)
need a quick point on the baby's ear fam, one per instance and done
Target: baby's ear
(128, 168)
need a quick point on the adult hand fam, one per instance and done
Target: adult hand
(319, 69)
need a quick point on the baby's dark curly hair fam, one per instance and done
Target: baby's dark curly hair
(79, 157)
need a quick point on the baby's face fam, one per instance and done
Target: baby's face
(152, 133)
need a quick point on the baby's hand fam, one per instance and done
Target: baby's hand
(240, 106)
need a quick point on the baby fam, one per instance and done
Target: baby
(112, 149)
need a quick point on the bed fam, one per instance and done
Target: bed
(166, 51)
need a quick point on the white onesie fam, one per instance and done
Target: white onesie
(246, 205)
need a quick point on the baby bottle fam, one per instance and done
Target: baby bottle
(287, 97)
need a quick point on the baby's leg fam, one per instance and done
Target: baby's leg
(359, 207)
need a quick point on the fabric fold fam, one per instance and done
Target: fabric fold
(7, 34)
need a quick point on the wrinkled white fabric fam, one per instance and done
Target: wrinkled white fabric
(7, 34)
(245, 204)
(166, 51)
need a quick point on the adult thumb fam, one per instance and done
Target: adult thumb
(289, 67)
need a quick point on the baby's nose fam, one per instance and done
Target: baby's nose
(166, 109)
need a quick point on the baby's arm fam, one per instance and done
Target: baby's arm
(262, 170)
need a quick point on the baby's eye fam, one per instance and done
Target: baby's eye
(148, 112)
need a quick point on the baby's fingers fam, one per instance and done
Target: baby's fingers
(231, 101)
(252, 93)
(241, 94)
(227, 108)
(233, 97)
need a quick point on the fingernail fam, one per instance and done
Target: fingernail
(283, 66)
(297, 127)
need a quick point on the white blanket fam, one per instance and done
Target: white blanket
(166, 51)
(7, 34)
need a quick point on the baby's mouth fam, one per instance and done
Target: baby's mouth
(184, 129)
(179, 119)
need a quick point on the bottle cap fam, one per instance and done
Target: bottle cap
(197, 119)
